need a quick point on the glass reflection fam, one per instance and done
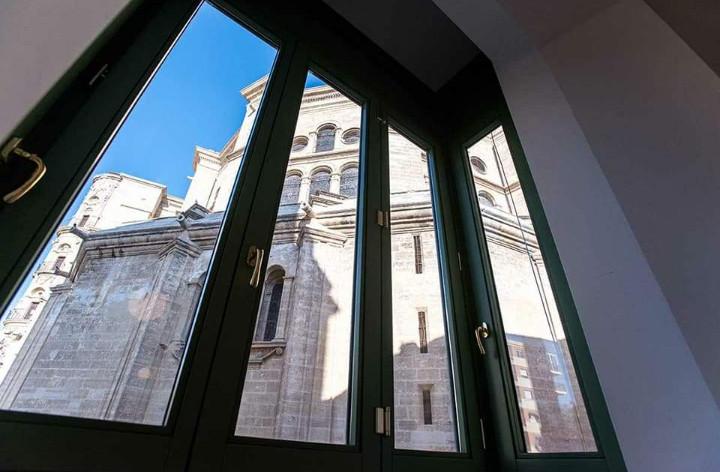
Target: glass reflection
(296, 385)
(551, 406)
(99, 328)
(424, 401)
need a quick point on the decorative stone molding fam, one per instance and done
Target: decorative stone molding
(262, 350)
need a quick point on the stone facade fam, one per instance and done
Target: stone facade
(113, 200)
(101, 333)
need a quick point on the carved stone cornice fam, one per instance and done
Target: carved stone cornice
(317, 232)
(262, 350)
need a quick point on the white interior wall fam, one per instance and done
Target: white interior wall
(599, 142)
(39, 41)
(652, 121)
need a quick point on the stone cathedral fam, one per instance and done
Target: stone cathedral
(101, 328)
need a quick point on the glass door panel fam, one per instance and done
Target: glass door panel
(548, 395)
(297, 384)
(99, 327)
(423, 386)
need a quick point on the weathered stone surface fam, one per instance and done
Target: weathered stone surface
(102, 327)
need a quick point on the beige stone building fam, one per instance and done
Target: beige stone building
(101, 327)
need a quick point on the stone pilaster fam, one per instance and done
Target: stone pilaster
(304, 193)
(335, 183)
(312, 141)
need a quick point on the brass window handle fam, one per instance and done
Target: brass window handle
(255, 260)
(482, 332)
(13, 148)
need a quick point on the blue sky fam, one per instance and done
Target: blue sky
(193, 100)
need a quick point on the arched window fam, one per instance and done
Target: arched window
(272, 297)
(351, 136)
(299, 143)
(349, 181)
(486, 199)
(291, 189)
(325, 139)
(64, 247)
(478, 165)
(320, 181)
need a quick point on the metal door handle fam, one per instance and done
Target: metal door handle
(482, 332)
(13, 148)
(255, 260)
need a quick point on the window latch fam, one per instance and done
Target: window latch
(482, 332)
(383, 218)
(255, 260)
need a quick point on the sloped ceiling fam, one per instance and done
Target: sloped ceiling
(415, 33)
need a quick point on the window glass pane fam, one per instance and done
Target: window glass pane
(551, 406)
(99, 328)
(349, 182)
(296, 385)
(325, 139)
(424, 409)
(291, 189)
(320, 182)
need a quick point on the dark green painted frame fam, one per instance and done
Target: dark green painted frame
(310, 34)
(492, 111)
(468, 399)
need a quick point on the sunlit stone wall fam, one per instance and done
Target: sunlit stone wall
(107, 339)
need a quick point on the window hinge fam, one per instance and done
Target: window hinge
(482, 433)
(383, 218)
(383, 423)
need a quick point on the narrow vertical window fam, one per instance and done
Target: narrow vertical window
(427, 404)
(417, 245)
(422, 328)
(531, 320)
(273, 310)
(325, 139)
(84, 220)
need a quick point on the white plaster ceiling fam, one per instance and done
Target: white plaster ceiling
(415, 33)
(435, 39)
